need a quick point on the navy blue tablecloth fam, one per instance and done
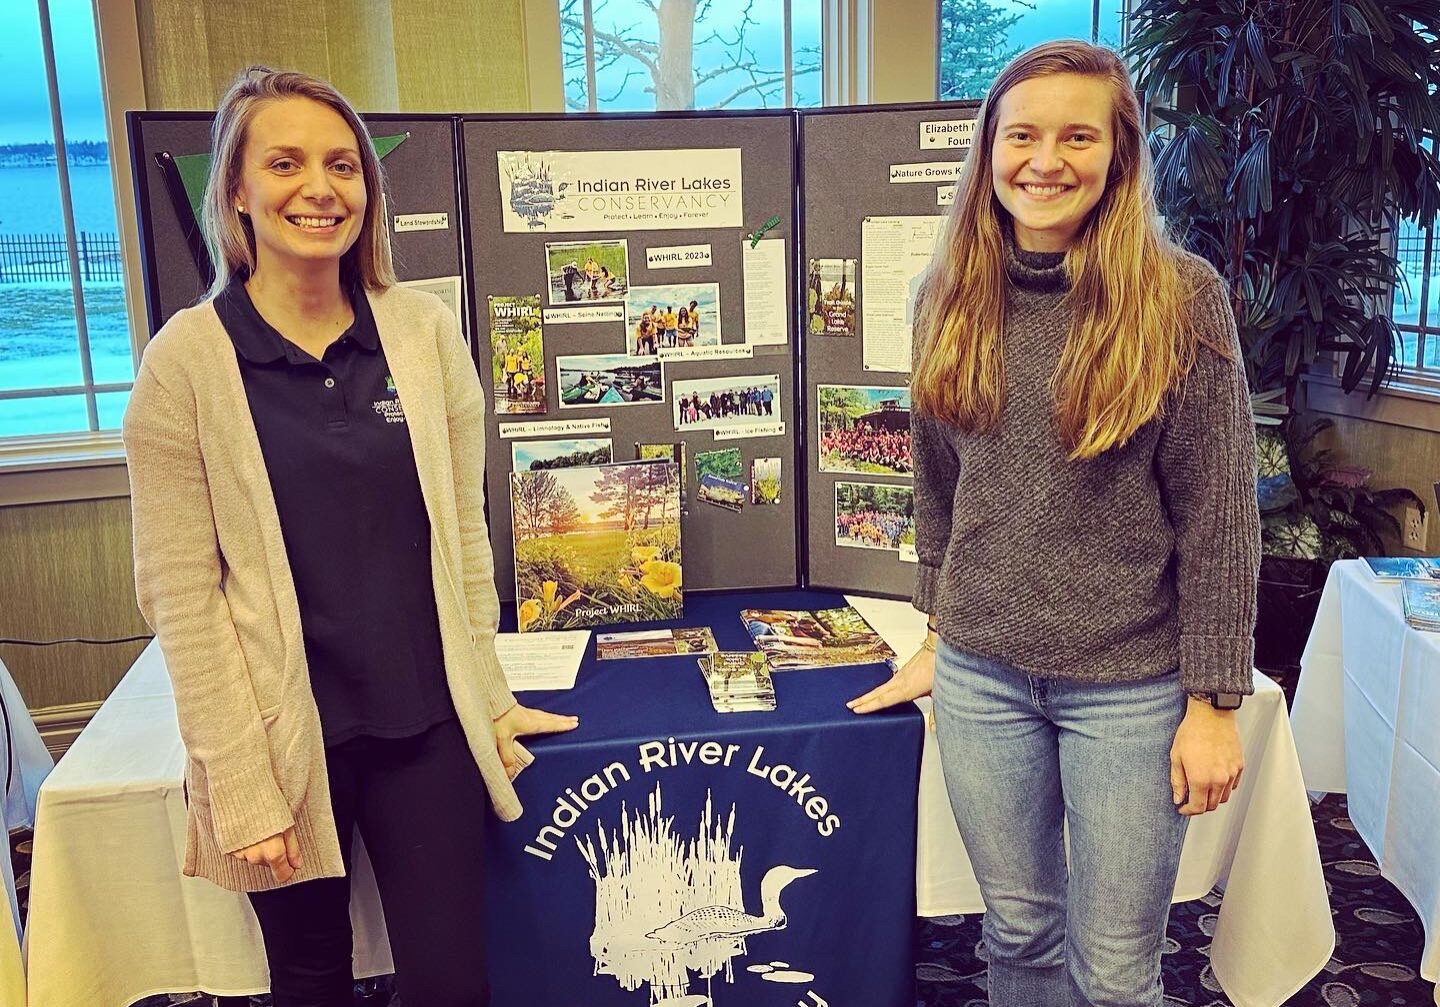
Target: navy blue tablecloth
(671, 853)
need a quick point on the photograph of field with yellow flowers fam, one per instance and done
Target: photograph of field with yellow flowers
(597, 545)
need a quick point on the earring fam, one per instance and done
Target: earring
(239, 208)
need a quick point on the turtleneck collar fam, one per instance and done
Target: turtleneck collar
(1038, 271)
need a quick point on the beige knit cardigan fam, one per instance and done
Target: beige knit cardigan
(214, 583)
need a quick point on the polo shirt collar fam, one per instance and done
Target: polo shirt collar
(260, 343)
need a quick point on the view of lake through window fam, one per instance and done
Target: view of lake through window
(40, 349)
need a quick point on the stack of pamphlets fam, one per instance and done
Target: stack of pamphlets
(739, 681)
(819, 639)
(1422, 605)
(1403, 567)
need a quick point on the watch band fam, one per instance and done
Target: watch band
(1220, 700)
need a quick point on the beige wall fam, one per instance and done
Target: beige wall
(67, 573)
(385, 55)
(1397, 455)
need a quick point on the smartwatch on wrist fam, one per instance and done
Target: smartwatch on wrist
(1220, 700)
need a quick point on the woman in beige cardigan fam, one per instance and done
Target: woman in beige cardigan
(306, 462)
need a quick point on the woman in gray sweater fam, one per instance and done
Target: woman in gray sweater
(1087, 534)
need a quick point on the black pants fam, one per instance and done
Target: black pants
(421, 808)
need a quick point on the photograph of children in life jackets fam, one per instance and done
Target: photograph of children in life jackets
(609, 379)
(517, 354)
(864, 429)
(874, 516)
(671, 316)
(587, 272)
(716, 403)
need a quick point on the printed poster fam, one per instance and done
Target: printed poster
(596, 545)
(619, 190)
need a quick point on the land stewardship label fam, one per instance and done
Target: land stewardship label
(562, 191)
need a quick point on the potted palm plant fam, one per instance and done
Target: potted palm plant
(1291, 138)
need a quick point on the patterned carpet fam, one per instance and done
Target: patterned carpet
(1376, 958)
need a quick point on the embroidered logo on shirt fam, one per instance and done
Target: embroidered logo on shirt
(390, 408)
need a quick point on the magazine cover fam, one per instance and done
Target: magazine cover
(823, 638)
(517, 354)
(596, 545)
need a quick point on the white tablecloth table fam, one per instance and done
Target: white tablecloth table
(26, 764)
(112, 920)
(1274, 930)
(1367, 724)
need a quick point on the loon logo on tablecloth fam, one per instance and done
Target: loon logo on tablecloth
(671, 912)
(678, 909)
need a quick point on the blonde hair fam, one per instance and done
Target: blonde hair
(229, 235)
(1131, 339)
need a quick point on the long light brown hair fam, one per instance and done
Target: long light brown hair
(1130, 340)
(228, 233)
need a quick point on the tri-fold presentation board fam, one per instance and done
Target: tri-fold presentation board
(730, 291)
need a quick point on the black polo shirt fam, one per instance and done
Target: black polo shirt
(356, 532)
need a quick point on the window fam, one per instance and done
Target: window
(648, 55)
(1416, 310)
(64, 335)
(978, 37)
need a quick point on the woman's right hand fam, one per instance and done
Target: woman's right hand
(912, 681)
(280, 853)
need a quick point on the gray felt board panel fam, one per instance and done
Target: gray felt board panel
(420, 176)
(756, 547)
(845, 177)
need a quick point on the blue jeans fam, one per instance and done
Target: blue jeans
(1024, 756)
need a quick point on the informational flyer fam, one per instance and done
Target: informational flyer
(548, 660)
(896, 252)
(619, 190)
(450, 290)
(767, 321)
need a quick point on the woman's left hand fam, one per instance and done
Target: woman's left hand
(519, 721)
(1206, 759)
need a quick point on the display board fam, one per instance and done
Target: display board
(168, 149)
(632, 279)
(875, 184)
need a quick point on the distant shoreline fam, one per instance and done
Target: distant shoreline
(42, 155)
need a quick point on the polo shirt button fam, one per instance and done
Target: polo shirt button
(329, 382)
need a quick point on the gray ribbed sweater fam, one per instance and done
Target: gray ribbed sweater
(1111, 569)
